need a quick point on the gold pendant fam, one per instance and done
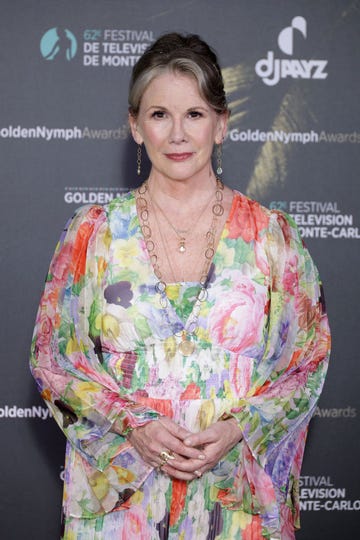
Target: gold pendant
(182, 247)
(186, 347)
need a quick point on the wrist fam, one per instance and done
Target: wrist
(235, 427)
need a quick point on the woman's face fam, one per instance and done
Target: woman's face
(178, 127)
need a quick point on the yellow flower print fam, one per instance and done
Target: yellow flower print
(206, 414)
(107, 238)
(124, 475)
(202, 334)
(212, 392)
(73, 345)
(213, 493)
(99, 484)
(110, 326)
(98, 321)
(137, 498)
(71, 535)
(125, 251)
(85, 389)
(227, 390)
(225, 254)
(101, 264)
(172, 291)
(239, 519)
(170, 347)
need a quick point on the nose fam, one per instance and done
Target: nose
(177, 133)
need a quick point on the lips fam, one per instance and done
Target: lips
(179, 156)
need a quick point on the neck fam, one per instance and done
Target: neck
(181, 255)
(167, 191)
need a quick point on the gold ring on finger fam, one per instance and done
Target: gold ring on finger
(165, 456)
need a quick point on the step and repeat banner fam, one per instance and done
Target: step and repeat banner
(292, 79)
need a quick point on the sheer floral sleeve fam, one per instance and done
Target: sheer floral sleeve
(66, 361)
(288, 380)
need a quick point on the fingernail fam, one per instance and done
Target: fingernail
(187, 442)
(201, 456)
(198, 473)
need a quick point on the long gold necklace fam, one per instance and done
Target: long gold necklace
(186, 346)
(181, 233)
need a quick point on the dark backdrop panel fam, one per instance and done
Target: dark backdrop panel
(64, 141)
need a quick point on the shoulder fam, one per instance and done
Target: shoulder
(94, 215)
(126, 203)
(269, 230)
(122, 216)
(257, 221)
(250, 208)
(248, 219)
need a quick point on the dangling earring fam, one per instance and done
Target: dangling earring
(138, 159)
(219, 159)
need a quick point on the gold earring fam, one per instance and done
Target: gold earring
(138, 159)
(219, 159)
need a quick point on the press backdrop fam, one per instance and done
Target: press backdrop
(292, 78)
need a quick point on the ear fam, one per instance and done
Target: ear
(221, 127)
(134, 129)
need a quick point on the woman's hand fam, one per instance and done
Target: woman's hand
(193, 453)
(164, 435)
(215, 442)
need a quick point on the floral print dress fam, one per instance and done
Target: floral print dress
(105, 357)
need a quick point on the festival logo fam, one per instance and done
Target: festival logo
(97, 47)
(114, 47)
(320, 219)
(319, 493)
(272, 69)
(58, 44)
(92, 195)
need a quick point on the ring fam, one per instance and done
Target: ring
(165, 456)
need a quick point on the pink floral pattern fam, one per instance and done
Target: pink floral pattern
(237, 319)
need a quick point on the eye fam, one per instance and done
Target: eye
(195, 114)
(158, 114)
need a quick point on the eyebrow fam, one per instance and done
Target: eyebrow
(161, 107)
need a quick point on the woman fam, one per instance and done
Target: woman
(181, 342)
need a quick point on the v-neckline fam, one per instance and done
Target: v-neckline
(172, 315)
(221, 238)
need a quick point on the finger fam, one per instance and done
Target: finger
(182, 465)
(216, 433)
(170, 437)
(201, 438)
(175, 473)
(184, 451)
(185, 475)
(153, 438)
(164, 441)
(187, 465)
(173, 428)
